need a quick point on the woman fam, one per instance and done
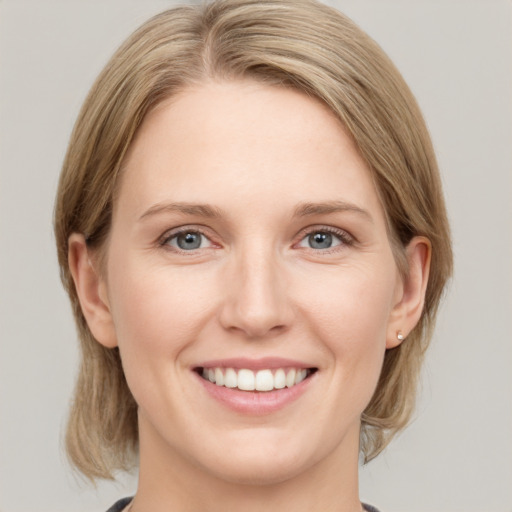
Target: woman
(252, 232)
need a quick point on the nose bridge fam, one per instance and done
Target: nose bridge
(257, 303)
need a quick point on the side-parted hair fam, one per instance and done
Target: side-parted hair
(298, 44)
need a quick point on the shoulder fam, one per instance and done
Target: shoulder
(369, 508)
(118, 506)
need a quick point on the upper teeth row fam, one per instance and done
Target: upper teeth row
(262, 380)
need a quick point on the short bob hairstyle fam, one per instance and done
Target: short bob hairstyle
(298, 44)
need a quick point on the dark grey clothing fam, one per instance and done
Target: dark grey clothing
(119, 506)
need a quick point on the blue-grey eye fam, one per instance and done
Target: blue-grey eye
(320, 240)
(189, 241)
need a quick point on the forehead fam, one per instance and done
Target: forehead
(243, 140)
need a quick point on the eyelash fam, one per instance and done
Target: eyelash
(345, 238)
(170, 235)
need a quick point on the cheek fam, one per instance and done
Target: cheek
(351, 300)
(157, 311)
(349, 309)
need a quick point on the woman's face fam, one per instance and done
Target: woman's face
(249, 248)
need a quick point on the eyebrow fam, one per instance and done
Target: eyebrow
(208, 211)
(200, 210)
(308, 209)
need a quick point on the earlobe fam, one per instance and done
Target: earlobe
(407, 311)
(91, 291)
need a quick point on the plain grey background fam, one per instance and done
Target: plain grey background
(457, 58)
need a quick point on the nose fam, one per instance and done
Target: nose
(256, 302)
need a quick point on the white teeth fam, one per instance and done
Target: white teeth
(290, 378)
(246, 380)
(280, 379)
(230, 378)
(219, 378)
(300, 376)
(262, 380)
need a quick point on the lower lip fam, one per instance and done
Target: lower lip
(256, 403)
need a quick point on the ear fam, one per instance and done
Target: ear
(92, 291)
(410, 296)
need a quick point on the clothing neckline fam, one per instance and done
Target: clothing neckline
(120, 505)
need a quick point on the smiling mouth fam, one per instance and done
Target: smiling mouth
(261, 380)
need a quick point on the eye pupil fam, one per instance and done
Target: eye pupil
(320, 240)
(188, 241)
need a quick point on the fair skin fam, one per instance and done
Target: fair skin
(247, 234)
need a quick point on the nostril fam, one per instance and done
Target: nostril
(257, 310)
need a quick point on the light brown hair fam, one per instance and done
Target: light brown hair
(300, 44)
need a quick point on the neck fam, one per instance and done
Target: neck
(168, 480)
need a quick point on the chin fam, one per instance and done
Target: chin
(260, 459)
(259, 471)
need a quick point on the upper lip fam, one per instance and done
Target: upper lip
(255, 364)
